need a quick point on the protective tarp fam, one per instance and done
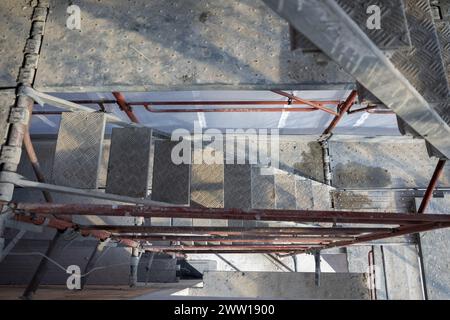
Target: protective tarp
(361, 123)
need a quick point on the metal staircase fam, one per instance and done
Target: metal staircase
(404, 67)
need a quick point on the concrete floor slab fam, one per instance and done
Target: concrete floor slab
(382, 163)
(435, 254)
(191, 44)
(402, 273)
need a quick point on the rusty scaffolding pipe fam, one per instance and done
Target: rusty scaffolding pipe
(42, 268)
(212, 102)
(432, 185)
(227, 110)
(148, 105)
(35, 164)
(291, 97)
(125, 107)
(371, 109)
(237, 231)
(63, 225)
(342, 111)
(244, 239)
(230, 248)
(233, 214)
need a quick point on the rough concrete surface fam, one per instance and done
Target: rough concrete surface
(283, 285)
(15, 26)
(190, 44)
(382, 163)
(435, 253)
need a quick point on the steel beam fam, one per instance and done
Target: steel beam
(148, 267)
(148, 231)
(242, 239)
(42, 268)
(317, 268)
(12, 244)
(63, 225)
(35, 164)
(43, 98)
(401, 231)
(242, 248)
(134, 263)
(329, 27)
(236, 214)
(20, 181)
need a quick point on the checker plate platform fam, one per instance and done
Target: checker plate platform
(78, 150)
(129, 162)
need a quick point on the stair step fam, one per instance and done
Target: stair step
(285, 191)
(170, 181)
(263, 190)
(207, 187)
(304, 193)
(238, 190)
(207, 190)
(79, 149)
(321, 194)
(129, 162)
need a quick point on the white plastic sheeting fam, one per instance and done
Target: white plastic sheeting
(288, 122)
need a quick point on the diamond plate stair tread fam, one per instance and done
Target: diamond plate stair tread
(303, 194)
(15, 26)
(443, 28)
(285, 192)
(79, 149)
(380, 200)
(7, 98)
(423, 64)
(393, 34)
(263, 190)
(237, 186)
(238, 190)
(129, 162)
(170, 181)
(207, 189)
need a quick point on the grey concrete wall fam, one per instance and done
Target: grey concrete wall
(18, 267)
(283, 285)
